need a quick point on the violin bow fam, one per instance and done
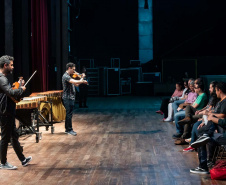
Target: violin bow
(30, 78)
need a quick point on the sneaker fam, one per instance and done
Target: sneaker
(188, 149)
(201, 141)
(199, 171)
(7, 166)
(66, 132)
(188, 140)
(175, 136)
(159, 112)
(73, 133)
(26, 161)
(168, 120)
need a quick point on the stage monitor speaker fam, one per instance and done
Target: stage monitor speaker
(113, 81)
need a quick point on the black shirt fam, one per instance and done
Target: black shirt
(68, 88)
(220, 107)
(8, 106)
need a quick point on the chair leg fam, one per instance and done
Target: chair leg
(223, 150)
(215, 154)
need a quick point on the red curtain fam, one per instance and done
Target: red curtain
(39, 44)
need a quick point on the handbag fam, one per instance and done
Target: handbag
(219, 170)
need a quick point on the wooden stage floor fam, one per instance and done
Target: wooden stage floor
(120, 141)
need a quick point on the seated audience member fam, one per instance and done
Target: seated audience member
(164, 105)
(199, 103)
(170, 105)
(181, 113)
(192, 115)
(176, 103)
(206, 131)
(216, 139)
(199, 114)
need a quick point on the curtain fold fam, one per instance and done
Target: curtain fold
(39, 44)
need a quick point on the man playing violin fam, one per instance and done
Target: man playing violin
(7, 115)
(69, 95)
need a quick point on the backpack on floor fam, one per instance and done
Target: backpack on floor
(218, 171)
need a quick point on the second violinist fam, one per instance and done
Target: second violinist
(68, 96)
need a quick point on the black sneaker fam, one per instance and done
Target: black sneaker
(200, 141)
(199, 170)
(26, 161)
(175, 136)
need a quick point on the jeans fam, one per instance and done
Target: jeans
(176, 105)
(194, 132)
(9, 132)
(69, 106)
(177, 117)
(207, 129)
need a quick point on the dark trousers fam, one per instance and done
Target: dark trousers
(211, 147)
(69, 106)
(9, 132)
(207, 129)
(164, 106)
(190, 111)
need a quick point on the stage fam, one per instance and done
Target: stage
(121, 140)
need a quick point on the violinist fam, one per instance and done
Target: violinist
(7, 114)
(68, 96)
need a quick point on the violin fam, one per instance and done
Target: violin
(16, 85)
(77, 75)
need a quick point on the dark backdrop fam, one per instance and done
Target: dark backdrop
(2, 30)
(106, 29)
(189, 28)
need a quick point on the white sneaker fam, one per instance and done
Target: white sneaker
(8, 166)
(168, 120)
(73, 133)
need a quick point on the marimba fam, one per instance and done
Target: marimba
(58, 109)
(30, 102)
(28, 110)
